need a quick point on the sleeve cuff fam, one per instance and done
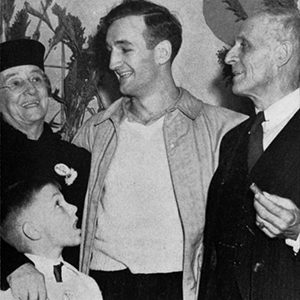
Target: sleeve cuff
(295, 244)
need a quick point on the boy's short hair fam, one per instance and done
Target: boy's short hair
(14, 201)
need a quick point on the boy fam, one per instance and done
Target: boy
(37, 221)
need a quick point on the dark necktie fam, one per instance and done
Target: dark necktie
(255, 146)
(57, 272)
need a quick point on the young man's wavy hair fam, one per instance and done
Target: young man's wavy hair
(161, 24)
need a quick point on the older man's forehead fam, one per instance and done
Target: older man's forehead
(256, 27)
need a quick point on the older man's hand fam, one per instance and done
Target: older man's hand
(27, 283)
(276, 216)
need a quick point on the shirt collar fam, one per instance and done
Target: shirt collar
(186, 103)
(44, 264)
(282, 109)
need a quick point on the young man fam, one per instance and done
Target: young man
(30, 148)
(153, 154)
(252, 237)
(37, 221)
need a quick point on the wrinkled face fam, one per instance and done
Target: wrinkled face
(252, 58)
(55, 218)
(24, 100)
(130, 59)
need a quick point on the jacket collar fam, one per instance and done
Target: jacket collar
(187, 104)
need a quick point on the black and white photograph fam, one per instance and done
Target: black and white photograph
(150, 149)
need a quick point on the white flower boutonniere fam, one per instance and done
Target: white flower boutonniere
(69, 173)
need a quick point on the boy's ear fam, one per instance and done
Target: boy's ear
(31, 231)
(163, 51)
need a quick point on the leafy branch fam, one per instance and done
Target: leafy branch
(7, 8)
(226, 69)
(238, 10)
(69, 30)
(42, 16)
(20, 25)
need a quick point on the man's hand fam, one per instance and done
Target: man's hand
(276, 216)
(27, 283)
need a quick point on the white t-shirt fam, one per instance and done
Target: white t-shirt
(139, 226)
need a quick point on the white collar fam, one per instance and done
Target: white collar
(282, 109)
(44, 264)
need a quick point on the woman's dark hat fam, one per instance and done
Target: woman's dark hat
(21, 52)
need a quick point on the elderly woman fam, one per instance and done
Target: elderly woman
(29, 148)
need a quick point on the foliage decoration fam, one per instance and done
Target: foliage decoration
(7, 9)
(238, 10)
(20, 24)
(226, 69)
(19, 27)
(80, 84)
(68, 31)
(42, 16)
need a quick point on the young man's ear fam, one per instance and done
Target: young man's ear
(31, 231)
(163, 52)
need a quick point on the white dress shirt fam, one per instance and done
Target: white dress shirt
(276, 117)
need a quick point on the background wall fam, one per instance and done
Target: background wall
(195, 68)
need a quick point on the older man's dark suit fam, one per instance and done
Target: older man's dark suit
(240, 261)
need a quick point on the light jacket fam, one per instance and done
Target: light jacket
(192, 133)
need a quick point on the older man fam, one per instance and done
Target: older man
(252, 231)
(29, 148)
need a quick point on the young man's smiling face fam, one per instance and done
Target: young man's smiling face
(130, 59)
(54, 218)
